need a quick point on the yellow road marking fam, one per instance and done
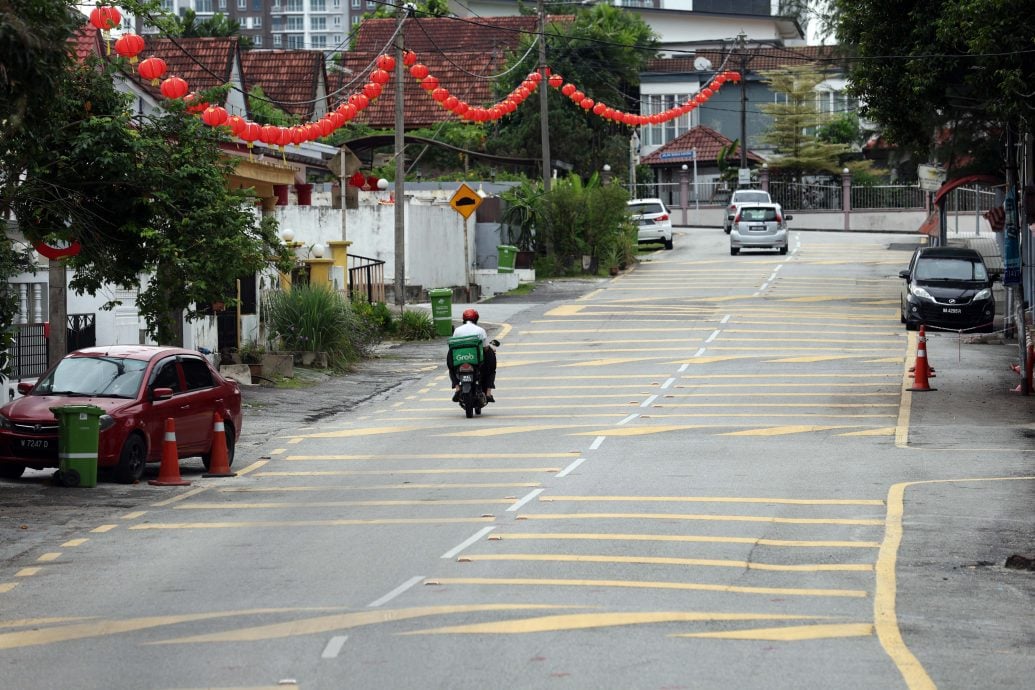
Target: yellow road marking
(344, 621)
(181, 497)
(380, 487)
(311, 523)
(724, 499)
(703, 518)
(38, 622)
(612, 361)
(566, 310)
(791, 634)
(500, 431)
(134, 515)
(585, 621)
(74, 542)
(591, 536)
(103, 528)
(342, 504)
(781, 430)
(252, 467)
(435, 456)
(778, 405)
(885, 431)
(28, 572)
(368, 473)
(367, 431)
(637, 584)
(6, 587)
(47, 557)
(659, 560)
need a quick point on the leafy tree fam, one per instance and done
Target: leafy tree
(843, 129)
(143, 197)
(187, 25)
(602, 52)
(930, 65)
(265, 112)
(795, 122)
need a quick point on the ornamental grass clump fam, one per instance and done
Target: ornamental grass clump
(308, 318)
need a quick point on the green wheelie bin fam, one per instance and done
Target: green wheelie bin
(442, 310)
(507, 256)
(78, 435)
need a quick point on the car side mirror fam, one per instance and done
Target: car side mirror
(24, 387)
(161, 393)
(904, 274)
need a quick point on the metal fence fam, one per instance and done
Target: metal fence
(366, 278)
(876, 197)
(804, 196)
(700, 193)
(30, 353)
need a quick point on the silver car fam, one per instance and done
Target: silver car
(740, 198)
(759, 226)
(653, 221)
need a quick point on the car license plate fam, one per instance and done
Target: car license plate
(758, 228)
(34, 445)
(951, 310)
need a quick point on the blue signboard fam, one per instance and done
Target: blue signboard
(688, 155)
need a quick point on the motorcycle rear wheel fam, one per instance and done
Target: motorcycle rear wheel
(468, 408)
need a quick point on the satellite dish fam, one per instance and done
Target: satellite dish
(702, 64)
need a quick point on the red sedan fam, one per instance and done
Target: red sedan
(138, 387)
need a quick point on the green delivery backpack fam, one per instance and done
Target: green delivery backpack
(466, 349)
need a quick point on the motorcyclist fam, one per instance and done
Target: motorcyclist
(470, 327)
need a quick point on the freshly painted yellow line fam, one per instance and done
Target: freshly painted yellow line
(103, 528)
(342, 504)
(28, 572)
(311, 523)
(181, 497)
(616, 360)
(134, 515)
(48, 557)
(372, 473)
(659, 560)
(105, 627)
(380, 487)
(436, 456)
(721, 499)
(791, 634)
(345, 621)
(885, 431)
(74, 542)
(594, 536)
(702, 518)
(587, 621)
(812, 359)
(368, 431)
(501, 431)
(566, 310)
(252, 467)
(6, 587)
(39, 622)
(637, 584)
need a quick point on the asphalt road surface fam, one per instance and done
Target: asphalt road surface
(707, 472)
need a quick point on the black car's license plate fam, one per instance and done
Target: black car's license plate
(951, 310)
(34, 446)
(758, 228)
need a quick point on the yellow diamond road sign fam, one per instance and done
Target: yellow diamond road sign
(465, 201)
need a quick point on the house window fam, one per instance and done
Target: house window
(295, 42)
(257, 41)
(355, 20)
(317, 5)
(355, 3)
(294, 6)
(318, 23)
(222, 4)
(203, 6)
(336, 20)
(319, 41)
(296, 23)
(167, 5)
(278, 40)
(257, 22)
(336, 4)
(256, 5)
(661, 134)
(242, 4)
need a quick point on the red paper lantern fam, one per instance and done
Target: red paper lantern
(451, 103)
(251, 132)
(337, 119)
(174, 88)
(371, 183)
(359, 100)
(555, 80)
(380, 76)
(129, 46)
(419, 71)
(372, 90)
(357, 179)
(577, 96)
(440, 94)
(599, 109)
(586, 103)
(387, 62)
(237, 124)
(348, 111)
(152, 68)
(297, 135)
(568, 89)
(285, 137)
(214, 116)
(194, 103)
(105, 18)
(461, 108)
(706, 92)
(429, 83)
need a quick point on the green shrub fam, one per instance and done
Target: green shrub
(378, 315)
(318, 319)
(416, 325)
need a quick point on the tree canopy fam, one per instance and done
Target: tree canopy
(927, 66)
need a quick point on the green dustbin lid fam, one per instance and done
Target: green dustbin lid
(440, 292)
(77, 409)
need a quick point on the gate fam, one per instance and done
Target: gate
(82, 331)
(29, 351)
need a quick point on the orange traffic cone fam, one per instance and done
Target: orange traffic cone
(169, 471)
(921, 371)
(218, 462)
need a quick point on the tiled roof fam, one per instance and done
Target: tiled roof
(87, 41)
(203, 63)
(455, 51)
(706, 140)
(289, 78)
(773, 58)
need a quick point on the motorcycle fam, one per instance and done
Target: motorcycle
(467, 357)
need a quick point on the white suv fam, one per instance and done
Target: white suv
(653, 221)
(739, 198)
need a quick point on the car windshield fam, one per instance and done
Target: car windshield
(750, 197)
(758, 214)
(642, 209)
(105, 377)
(948, 268)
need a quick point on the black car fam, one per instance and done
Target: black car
(949, 288)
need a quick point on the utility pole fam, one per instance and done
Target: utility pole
(544, 121)
(400, 164)
(741, 43)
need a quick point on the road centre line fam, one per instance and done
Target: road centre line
(713, 336)
(265, 524)
(531, 495)
(377, 487)
(649, 401)
(637, 584)
(597, 442)
(693, 562)
(667, 383)
(769, 519)
(452, 553)
(690, 538)
(435, 456)
(390, 472)
(334, 646)
(396, 592)
(570, 468)
(725, 499)
(628, 419)
(277, 505)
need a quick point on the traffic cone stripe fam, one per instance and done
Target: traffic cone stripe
(921, 371)
(218, 462)
(170, 437)
(169, 471)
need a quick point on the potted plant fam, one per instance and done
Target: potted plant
(523, 212)
(251, 354)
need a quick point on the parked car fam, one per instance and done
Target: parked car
(739, 198)
(653, 221)
(759, 226)
(948, 287)
(138, 387)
